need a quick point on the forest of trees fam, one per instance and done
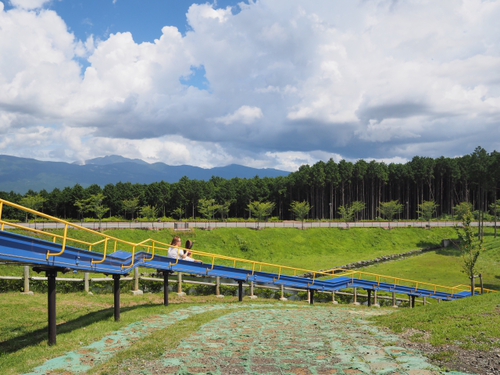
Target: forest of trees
(325, 186)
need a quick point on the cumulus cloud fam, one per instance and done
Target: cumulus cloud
(287, 82)
(245, 115)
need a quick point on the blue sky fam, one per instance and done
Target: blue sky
(261, 83)
(143, 18)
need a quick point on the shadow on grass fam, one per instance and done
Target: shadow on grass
(429, 246)
(40, 335)
(490, 286)
(449, 251)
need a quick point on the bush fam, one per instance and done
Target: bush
(229, 290)
(11, 285)
(266, 293)
(199, 289)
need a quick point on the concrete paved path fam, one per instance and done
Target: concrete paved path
(262, 339)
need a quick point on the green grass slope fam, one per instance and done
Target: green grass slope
(312, 249)
(471, 323)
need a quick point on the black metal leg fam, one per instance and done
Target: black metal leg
(369, 297)
(240, 290)
(51, 276)
(311, 296)
(116, 291)
(165, 288)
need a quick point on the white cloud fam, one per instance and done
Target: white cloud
(289, 81)
(244, 115)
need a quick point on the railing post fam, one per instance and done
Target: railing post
(136, 291)
(27, 281)
(282, 298)
(217, 288)
(394, 299)
(333, 298)
(180, 293)
(86, 283)
(375, 300)
(252, 296)
(355, 295)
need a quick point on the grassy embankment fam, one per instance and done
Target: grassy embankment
(84, 319)
(320, 249)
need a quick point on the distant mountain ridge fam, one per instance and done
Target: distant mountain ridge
(111, 159)
(22, 174)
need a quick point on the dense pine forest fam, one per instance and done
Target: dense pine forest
(325, 186)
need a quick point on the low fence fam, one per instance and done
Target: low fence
(186, 226)
(216, 285)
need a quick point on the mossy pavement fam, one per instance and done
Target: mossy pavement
(256, 338)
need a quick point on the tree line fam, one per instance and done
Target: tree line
(329, 190)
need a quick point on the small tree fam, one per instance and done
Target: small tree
(300, 210)
(471, 247)
(427, 210)
(348, 213)
(35, 202)
(207, 208)
(461, 209)
(495, 210)
(130, 206)
(93, 204)
(223, 209)
(179, 212)
(149, 212)
(390, 209)
(81, 207)
(260, 210)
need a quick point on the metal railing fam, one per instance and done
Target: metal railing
(154, 247)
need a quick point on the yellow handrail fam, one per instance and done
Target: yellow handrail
(132, 261)
(63, 247)
(105, 252)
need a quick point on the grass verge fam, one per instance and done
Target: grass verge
(471, 323)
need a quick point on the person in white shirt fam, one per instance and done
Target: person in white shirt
(175, 251)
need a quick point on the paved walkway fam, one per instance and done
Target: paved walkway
(262, 339)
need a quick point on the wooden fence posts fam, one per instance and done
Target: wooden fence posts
(87, 280)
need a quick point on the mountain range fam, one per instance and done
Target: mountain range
(21, 174)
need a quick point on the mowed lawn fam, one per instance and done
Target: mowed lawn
(83, 319)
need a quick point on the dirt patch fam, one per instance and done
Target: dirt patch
(457, 359)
